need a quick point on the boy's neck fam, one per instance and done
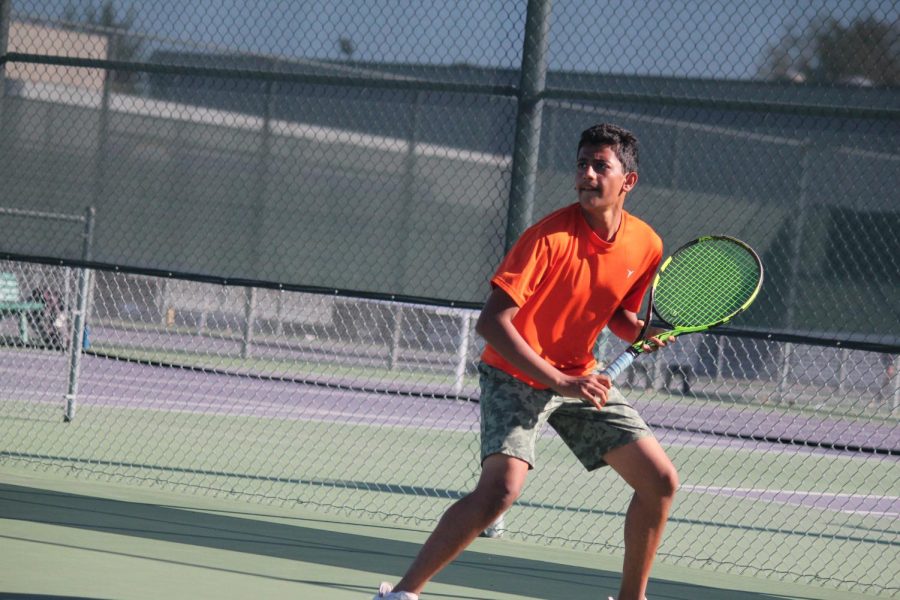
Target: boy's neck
(605, 222)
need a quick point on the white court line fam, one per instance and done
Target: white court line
(767, 495)
(713, 488)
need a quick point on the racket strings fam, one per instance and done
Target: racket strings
(706, 282)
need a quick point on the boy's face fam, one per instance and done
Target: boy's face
(600, 179)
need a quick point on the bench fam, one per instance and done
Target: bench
(12, 304)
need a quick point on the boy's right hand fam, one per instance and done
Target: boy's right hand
(592, 389)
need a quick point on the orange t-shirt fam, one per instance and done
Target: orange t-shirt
(568, 283)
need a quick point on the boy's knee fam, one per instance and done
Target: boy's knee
(661, 486)
(497, 498)
(669, 482)
(666, 483)
(501, 482)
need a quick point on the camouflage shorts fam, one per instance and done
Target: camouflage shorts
(513, 413)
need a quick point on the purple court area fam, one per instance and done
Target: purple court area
(120, 383)
(41, 377)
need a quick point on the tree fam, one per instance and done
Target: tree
(866, 52)
(346, 46)
(123, 45)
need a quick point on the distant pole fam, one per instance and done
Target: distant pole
(404, 227)
(4, 34)
(80, 313)
(528, 120)
(799, 225)
(4, 48)
(250, 304)
(895, 384)
(462, 351)
(101, 156)
(258, 217)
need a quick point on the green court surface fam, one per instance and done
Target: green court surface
(62, 537)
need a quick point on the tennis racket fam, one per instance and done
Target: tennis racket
(705, 283)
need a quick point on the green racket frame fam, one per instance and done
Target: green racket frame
(684, 305)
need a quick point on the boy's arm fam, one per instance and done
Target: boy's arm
(496, 327)
(626, 325)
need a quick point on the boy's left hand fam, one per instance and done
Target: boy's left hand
(653, 342)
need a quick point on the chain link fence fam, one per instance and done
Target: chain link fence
(298, 209)
(289, 398)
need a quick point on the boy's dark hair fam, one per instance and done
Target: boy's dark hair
(623, 142)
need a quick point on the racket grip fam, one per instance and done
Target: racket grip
(622, 362)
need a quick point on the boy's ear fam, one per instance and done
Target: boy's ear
(630, 180)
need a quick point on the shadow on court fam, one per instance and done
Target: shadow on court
(524, 577)
(5, 596)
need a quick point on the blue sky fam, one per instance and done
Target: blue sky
(692, 38)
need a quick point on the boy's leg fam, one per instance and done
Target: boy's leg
(501, 481)
(643, 464)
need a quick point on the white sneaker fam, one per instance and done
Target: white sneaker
(495, 529)
(384, 591)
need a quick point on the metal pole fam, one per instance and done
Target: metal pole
(526, 147)
(796, 250)
(895, 384)
(4, 48)
(100, 158)
(407, 249)
(84, 275)
(396, 336)
(279, 315)
(163, 303)
(75, 346)
(259, 208)
(249, 317)
(462, 351)
(787, 351)
(843, 356)
(720, 357)
(4, 40)
(528, 120)
(5, 8)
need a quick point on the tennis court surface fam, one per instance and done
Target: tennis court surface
(68, 538)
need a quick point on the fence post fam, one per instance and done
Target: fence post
(796, 249)
(101, 155)
(528, 120)
(462, 351)
(279, 314)
(843, 357)
(250, 302)
(259, 209)
(4, 41)
(396, 337)
(895, 384)
(78, 327)
(720, 358)
(162, 303)
(4, 48)
(403, 227)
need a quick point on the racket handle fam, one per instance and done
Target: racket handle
(622, 362)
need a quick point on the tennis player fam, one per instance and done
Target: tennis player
(582, 268)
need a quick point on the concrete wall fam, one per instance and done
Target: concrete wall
(33, 38)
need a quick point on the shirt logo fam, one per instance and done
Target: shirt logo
(630, 273)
